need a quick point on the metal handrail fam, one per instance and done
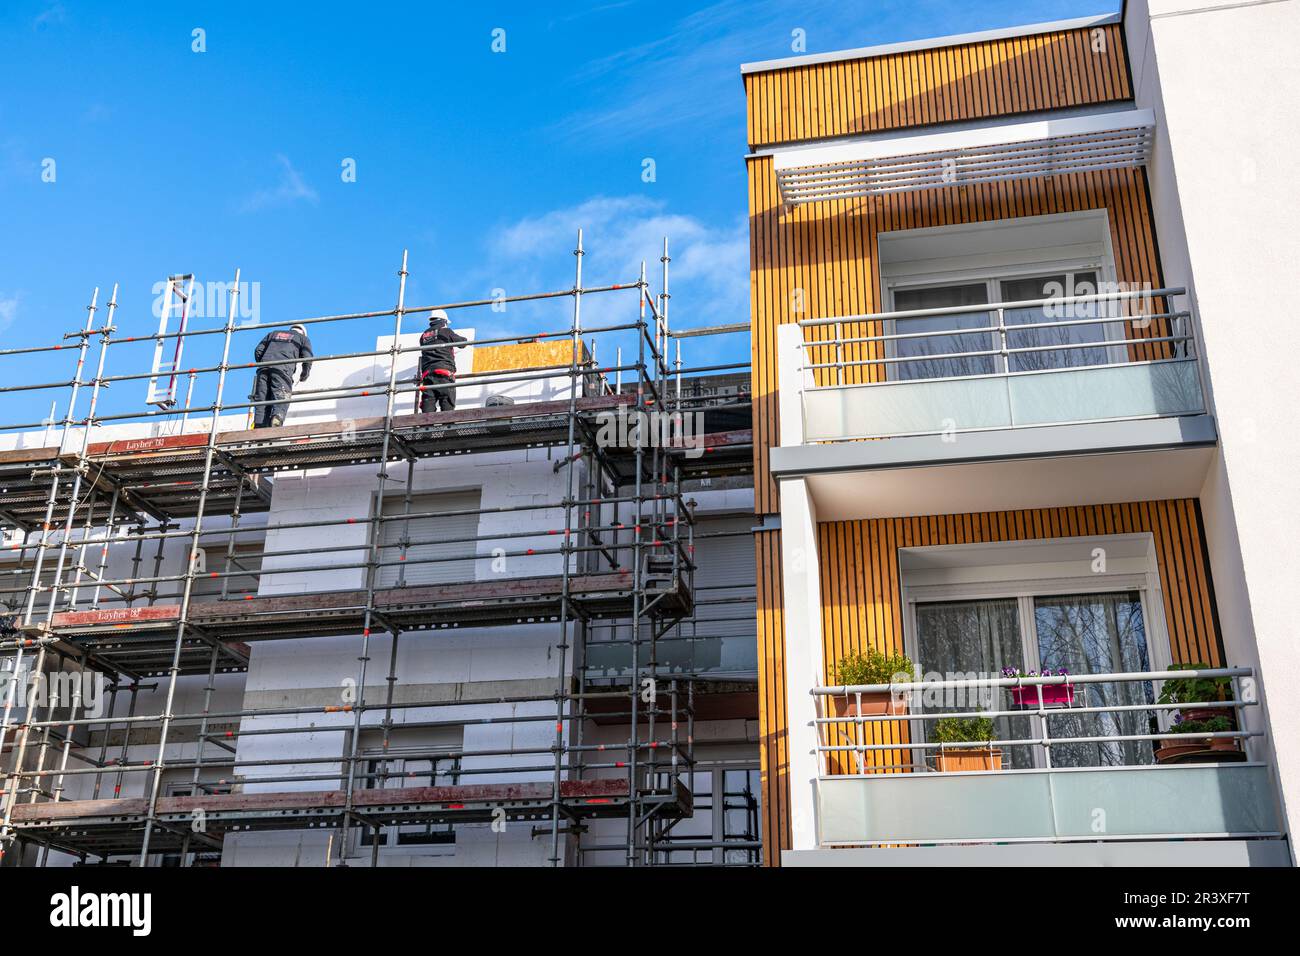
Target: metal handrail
(1177, 334)
(990, 306)
(1038, 714)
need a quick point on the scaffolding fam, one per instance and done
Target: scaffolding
(625, 550)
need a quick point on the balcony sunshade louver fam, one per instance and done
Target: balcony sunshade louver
(987, 154)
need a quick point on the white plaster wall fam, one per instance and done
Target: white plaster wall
(1222, 79)
(294, 668)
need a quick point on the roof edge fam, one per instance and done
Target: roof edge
(932, 43)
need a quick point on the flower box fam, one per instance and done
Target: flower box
(1054, 695)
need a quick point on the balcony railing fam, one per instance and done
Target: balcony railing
(1091, 358)
(1090, 757)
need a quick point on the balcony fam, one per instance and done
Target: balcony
(949, 397)
(1064, 764)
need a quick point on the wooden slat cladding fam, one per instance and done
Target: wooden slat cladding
(949, 84)
(862, 594)
(820, 259)
(774, 741)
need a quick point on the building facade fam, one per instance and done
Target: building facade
(992, 435)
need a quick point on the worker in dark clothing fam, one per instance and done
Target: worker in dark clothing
(437, 376)
(274, 383)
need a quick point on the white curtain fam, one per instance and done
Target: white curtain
(1097, 634)
(980, 637)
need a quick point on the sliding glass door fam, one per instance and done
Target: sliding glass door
(938, 346)
(1085, 633)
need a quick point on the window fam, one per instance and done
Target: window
(915, 350)
(1014, 260)
(979, 351)
(415, 757)
(724, 830)
(247, 556)
(15, 579)
(202, 852)
(437, 548)
(975, 609)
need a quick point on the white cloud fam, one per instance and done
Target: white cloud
(708, 278)
(292, 188)
(52, 14)
(8, 310)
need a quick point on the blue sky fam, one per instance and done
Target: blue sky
(482, 164)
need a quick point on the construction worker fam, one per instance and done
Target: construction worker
(437, 376)
(274, 383)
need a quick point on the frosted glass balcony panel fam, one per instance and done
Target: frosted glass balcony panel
(902, 408)
(1093, 803)
(1098, 394)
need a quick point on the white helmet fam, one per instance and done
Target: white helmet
(298, 328)
(438, 315)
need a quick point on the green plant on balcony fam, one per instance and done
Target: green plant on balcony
(872, 666)
(952, 730)
(965, 730)
(1215, 725)
(1191, 690)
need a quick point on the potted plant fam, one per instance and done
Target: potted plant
(870, 667)
(1192, 690)
(1197, 747)
(960, 730)
(1054, 695)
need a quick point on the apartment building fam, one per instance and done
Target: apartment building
(480, 637)
(1016, 423)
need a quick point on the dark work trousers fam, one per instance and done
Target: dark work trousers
(271, 385)
(433, 398)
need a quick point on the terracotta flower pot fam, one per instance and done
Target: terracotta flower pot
(874, 704)
(1199, 750)
(1171, 752)
(953, 761)
(1206, 713)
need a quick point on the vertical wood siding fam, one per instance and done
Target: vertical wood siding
(862, 595)
(773, 741)
(978, 80)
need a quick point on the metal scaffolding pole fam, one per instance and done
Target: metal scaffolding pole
(566, 608)
(192, 567)
(372, 557)
(222, 471)
(12, 790)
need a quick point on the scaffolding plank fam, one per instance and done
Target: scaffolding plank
(492, 793)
